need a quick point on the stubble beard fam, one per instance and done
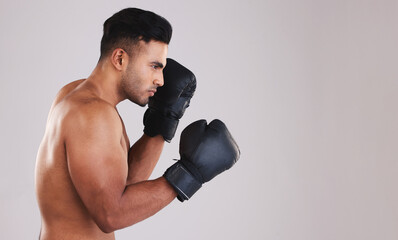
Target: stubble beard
(131, 90)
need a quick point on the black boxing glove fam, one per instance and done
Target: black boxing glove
(168, 104)
(206, 151)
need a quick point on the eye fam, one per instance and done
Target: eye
(155, 67)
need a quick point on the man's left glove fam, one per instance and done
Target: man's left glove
(206, 150)
(168, 104)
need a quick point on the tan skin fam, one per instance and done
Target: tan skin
(89, 181)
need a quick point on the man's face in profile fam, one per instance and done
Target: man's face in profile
(144, 72)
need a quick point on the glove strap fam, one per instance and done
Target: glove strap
(182, 180)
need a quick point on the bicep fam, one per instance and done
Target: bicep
(97, 163)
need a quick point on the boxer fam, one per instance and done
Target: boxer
(89, 180)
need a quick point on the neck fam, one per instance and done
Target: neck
(105, 81)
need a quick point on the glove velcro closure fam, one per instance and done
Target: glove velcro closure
(156, 123)
(182, 181)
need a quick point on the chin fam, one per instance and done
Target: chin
(141, 103)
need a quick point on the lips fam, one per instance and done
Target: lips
(152, 91)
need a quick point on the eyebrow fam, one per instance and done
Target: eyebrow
(158, 64)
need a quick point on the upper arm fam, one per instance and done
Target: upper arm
(97, 161)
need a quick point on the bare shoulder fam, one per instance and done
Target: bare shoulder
(79, 103)
(85, 111)
(65, 90)
(78, 113)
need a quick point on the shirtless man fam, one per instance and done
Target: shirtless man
(89, 181)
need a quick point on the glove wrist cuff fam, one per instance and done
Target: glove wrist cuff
(182, 181)
(155, 124)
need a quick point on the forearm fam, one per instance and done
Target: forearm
(143, 157)
(140, 201)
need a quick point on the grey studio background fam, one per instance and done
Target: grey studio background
(309, 90)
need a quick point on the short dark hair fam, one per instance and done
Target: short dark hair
(128, 26)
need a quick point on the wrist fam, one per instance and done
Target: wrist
(158, 124)
(183, 182)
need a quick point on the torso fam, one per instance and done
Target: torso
(64, 215)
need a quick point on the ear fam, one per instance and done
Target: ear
(119, 59)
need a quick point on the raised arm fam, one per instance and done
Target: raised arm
(143, 157)
(97, 161)
(161, 119)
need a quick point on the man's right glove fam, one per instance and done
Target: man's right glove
(206, 151)
(168, 104)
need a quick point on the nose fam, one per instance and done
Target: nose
(159, 81)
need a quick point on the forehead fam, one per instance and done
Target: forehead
(153, 49)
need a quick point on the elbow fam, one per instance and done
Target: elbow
(106, 228)
(111, 223)
(110, 219)
(106, 223)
